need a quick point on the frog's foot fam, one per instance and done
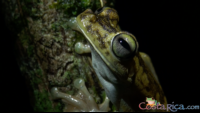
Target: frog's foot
(83, 101)
(81, 48)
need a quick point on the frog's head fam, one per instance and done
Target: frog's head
(116, 48)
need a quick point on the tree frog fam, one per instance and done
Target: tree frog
(126, 74)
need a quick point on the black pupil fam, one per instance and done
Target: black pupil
(124, 44)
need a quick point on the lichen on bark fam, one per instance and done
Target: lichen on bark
(45, 48)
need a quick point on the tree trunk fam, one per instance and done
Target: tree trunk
(45, 48)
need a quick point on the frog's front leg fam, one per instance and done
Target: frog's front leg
(80, 48)
(149, 64)
(83, 101)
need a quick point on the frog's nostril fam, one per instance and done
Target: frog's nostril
(93, 18)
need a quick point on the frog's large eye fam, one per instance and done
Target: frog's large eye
(124, 46)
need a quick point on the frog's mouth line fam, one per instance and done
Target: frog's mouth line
(105, 77)
(119, 80)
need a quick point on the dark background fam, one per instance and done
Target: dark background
(167, 31)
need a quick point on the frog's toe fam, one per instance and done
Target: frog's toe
(80, 84)
(105, 105)
(81, 48)
(73, 24)
(72, 108)
(68, 99)
(83, 101)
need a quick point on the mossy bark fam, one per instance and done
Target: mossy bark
(45, 48)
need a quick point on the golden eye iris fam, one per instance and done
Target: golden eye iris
(124, 46)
